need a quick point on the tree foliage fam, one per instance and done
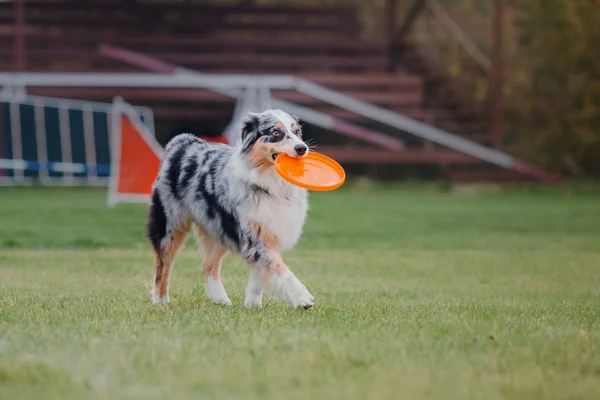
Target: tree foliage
(552, 75)
(554, 99)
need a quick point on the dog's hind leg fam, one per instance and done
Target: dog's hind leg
(166, 241)
(213, 256)
(163, 261)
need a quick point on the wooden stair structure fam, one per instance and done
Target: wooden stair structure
(321, 44)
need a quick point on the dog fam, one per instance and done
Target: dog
(234, 201)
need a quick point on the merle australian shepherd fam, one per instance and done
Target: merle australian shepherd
(233, 200)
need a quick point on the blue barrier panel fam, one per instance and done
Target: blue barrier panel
(101, 141)
(77, 139)
(52, 129)
(7, 142)
(56, 138)
(28, 137)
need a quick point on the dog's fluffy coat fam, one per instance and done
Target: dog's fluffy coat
(234, 201)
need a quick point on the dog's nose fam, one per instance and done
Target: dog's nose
(300, 149)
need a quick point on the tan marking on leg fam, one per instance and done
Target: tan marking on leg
(164, 259)
(277, 268)
(281, 268)
(270, 240)
(275, 276)
(199, 231)
(159, 267)
(213, 254)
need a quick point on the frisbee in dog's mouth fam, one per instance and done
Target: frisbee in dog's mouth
(314, 171)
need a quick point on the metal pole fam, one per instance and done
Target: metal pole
(497, 73)
(391, 27)
(2, 135)
(19, 36)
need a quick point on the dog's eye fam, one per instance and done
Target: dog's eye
(298, 133)
(277, 134)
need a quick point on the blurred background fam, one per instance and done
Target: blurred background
(441, 268)
(517, 76)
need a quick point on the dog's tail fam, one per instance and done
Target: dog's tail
(156, 223)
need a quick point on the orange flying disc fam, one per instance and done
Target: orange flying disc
(315, 171)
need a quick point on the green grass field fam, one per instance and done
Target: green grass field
(420, 293)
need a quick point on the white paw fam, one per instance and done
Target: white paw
(303, 299)
(288, 287)
(156, 299)
(253, 300)
(312, 298)
(224, 301)
(216, 292)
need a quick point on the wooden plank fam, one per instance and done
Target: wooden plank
(367, 155)
(134, 25)
(379, 98)
(140, 25)
(293, 62)
(204, 41)
(183, 43)
(20, 46)
(213, 60)
(334, 48)
(186, 16)
(64, 6)
(188, 114)
(365, 81)
(83, 19)
(181, 112)
(487, 174)
(412, 112)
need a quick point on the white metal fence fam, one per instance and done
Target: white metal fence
(59, 142)
(258, 88)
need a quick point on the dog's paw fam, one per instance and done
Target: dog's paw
(253, 301)
(289, 287)
(304, 303)
(216, 292)
(312, 298)
(156, 299)
(303, 299)
(224, 301)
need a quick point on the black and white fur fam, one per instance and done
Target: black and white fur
(234, 200)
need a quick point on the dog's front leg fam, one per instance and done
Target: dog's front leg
(283, 283)
(269, 273)
(254, 290)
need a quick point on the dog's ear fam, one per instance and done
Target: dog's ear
(249, 131)
(249, 125)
